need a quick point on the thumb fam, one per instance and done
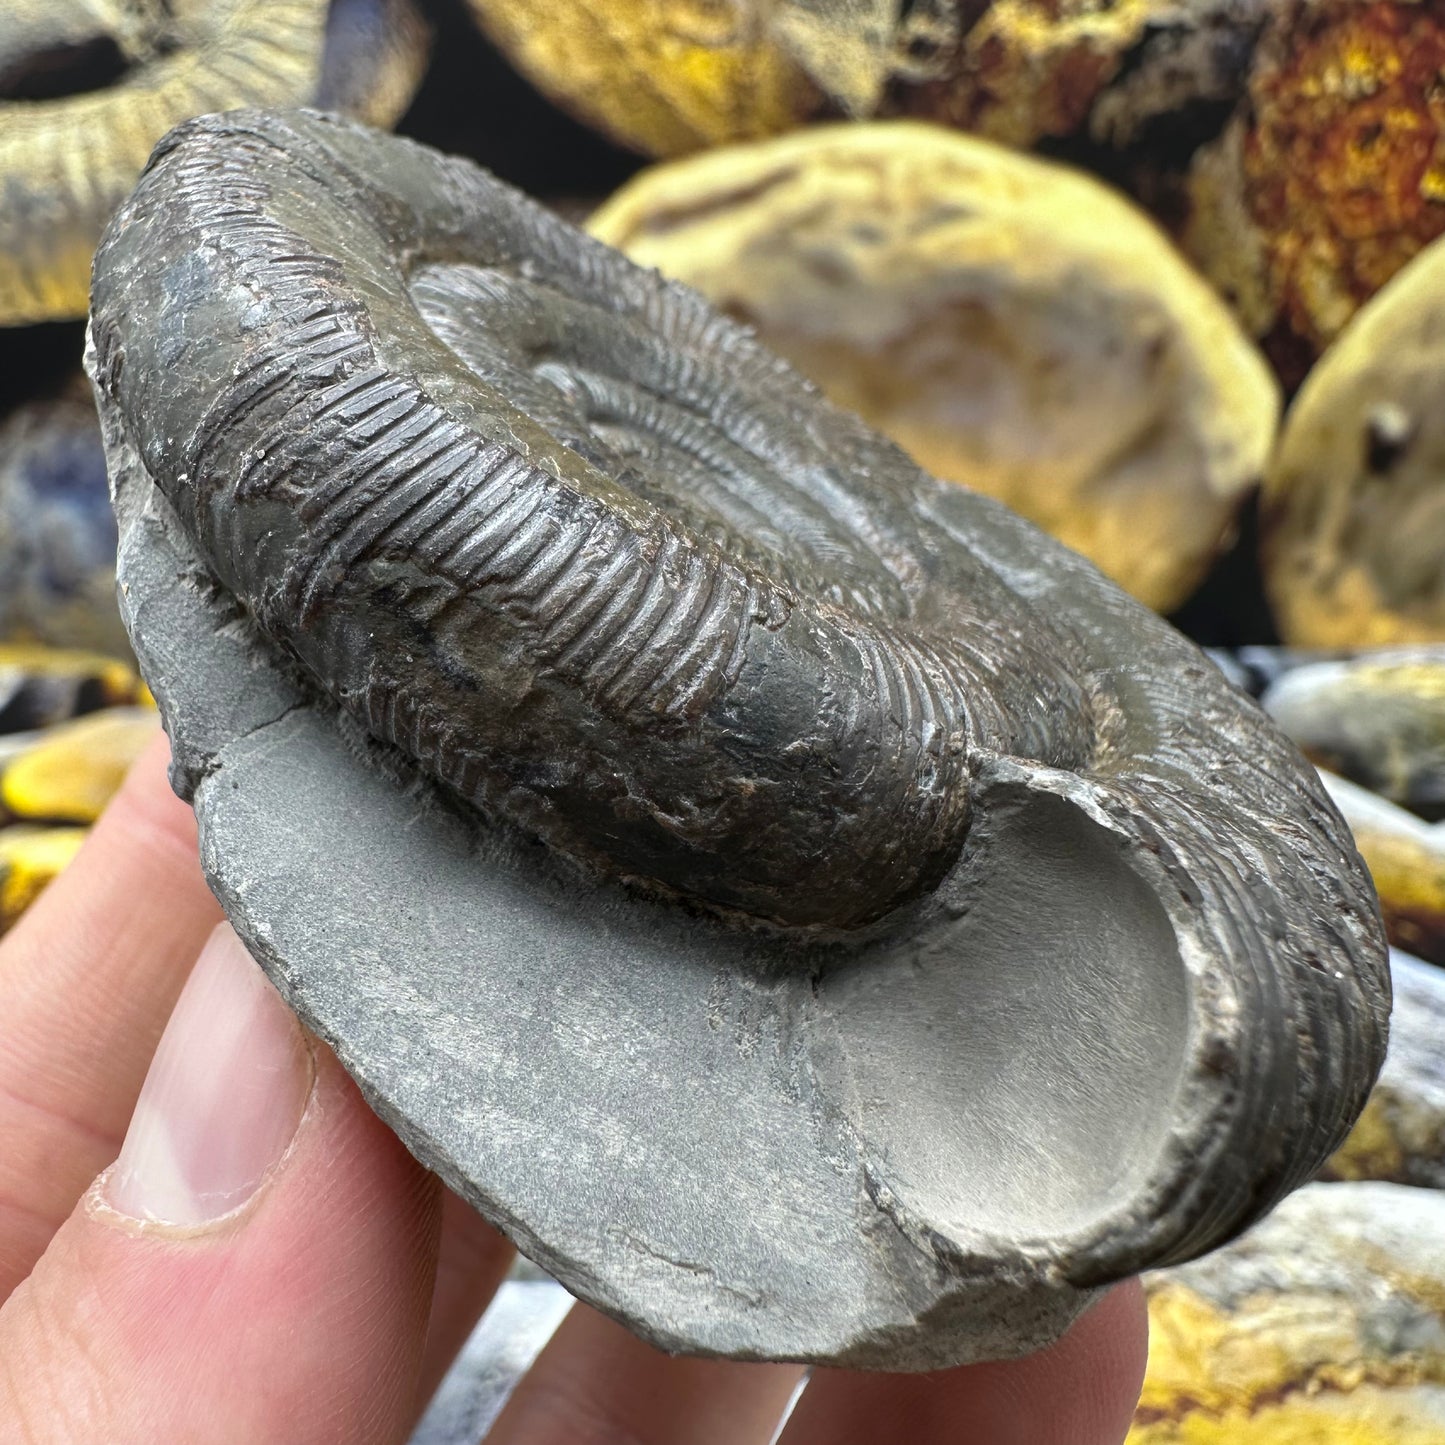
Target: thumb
(257, 1265)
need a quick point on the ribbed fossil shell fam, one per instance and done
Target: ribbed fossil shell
(67, 159)
(948, 937)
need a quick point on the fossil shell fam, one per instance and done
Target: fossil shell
(67, 159)
(1013, 324)
(1331, 176)
(1353, 508)
(374, 57)
(926, 934)
(663, 76)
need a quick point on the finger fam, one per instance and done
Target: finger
(472, 1263)
(255, 1269)
(87, 979)
(1082, 1391)
(596, 1384)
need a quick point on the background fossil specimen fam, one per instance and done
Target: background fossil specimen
(1353, 502)
(1014, 325)
(1377, 718)
(496, 516)
(1296, 149)
(1400, 1137)
(1323, 1324)
(58, 767)
(87, 90)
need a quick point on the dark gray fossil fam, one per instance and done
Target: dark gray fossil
(815, 914)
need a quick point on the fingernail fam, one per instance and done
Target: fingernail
(225, 1093)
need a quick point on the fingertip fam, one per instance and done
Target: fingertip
(318, 1286)
(1080, 1391)
(146, 795)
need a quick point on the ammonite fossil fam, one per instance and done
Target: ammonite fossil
(87, 89)
(815, 914)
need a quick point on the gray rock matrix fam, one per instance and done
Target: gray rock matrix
(815, 915)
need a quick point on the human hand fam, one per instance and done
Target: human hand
(265, 1264)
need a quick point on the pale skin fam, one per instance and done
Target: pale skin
(322, 1308)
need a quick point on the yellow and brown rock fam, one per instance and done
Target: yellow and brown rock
(1353, 512)
(73, 769)
(1377, 718)
(1014, 324)
(1297, 147)
(30, 857)
(41, 686)
(1401, 1134)
(673, 76)
(87, 87)
(1324, 1325)
(1406, 859)
(1332, 176)
(663, 76)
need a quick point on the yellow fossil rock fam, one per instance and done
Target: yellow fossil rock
(67, 159)
(663, 76)
(74, 769)
(1325, 1325)
(30, 857)
(1015, 325)
(1332, 176)
(40, 685)
(1353, 514)
(1401, 1134)
(1406, 859)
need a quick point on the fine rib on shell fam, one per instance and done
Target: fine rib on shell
(925, 935)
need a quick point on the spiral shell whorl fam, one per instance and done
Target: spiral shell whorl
(593, 558)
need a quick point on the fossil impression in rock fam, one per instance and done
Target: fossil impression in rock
(87, 87)
(1353, 510)
(1015, 325)
(812, 912)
